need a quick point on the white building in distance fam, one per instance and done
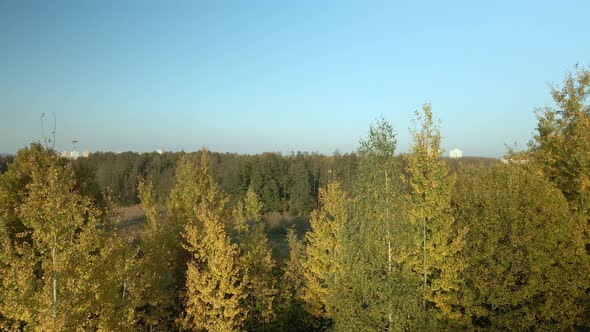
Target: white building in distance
(74, 154)
(456, 153)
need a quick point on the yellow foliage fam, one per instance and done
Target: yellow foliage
(256, 260)
(437, 258)
(321, 268)
(215, 282)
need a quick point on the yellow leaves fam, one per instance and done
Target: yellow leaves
(437, 256)
(323, 249)
(253, 205)
(154, 289)
(240, 219)
(193, 184)
(147, 197)
(560, 146)
(215, 281)
(255, 260)
(518, 247)
(57, 253)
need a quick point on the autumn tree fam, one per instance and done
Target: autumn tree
(292, 315)
(439, 242)
(256, 261)
(526, 267)
(323, 250)
(50, 245)
(215, 281)
(156, 300)
(18, 307)
(193, 182)
(560, 143)
(560, 147)
(116, 274)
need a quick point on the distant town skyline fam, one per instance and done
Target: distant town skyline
(270, 76)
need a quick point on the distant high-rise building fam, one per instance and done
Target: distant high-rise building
(160, 151)
(456, 153)
(86, 153)
(65, 154)
(74, 154)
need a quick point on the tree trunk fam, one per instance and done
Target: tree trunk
(54, 276)
(424, 261)
(389, 254)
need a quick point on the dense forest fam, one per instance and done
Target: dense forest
(392, 242)
(285, 184)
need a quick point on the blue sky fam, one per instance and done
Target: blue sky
(248, 77)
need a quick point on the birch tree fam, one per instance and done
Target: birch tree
(439, 242)
(50, 237)
(375, 293)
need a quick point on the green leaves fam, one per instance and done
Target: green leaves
(375, 291)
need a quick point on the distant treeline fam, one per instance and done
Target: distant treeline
(284, 183)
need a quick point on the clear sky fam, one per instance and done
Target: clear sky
(250, 76)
